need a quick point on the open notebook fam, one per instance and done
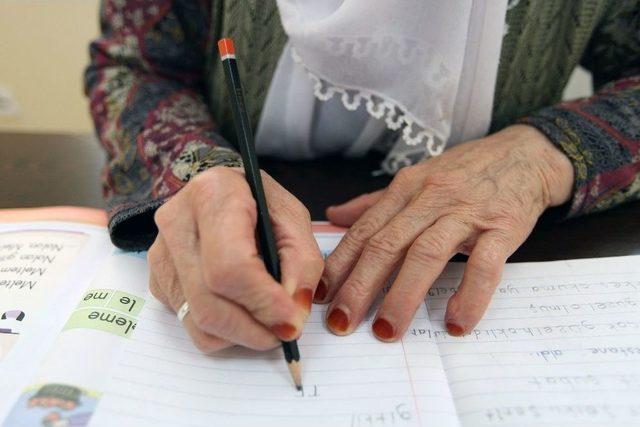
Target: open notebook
(82, 342)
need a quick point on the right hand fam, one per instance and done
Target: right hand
(206, 253)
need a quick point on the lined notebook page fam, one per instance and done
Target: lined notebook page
(354, 381)
(559, 345)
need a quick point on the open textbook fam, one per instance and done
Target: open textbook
(82, 342)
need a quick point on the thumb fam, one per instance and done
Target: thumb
(346, 214)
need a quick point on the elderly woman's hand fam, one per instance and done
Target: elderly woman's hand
(206, 254)
(481, 198)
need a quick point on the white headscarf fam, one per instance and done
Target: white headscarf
(425, 67)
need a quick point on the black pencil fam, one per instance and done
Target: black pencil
(252, 173)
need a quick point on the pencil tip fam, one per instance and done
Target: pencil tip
(296, 373)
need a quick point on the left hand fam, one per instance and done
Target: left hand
(481, 198)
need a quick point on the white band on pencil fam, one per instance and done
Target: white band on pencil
(183, 311)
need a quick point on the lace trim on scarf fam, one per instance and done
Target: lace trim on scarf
(395, 116)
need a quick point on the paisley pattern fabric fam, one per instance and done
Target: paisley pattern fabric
(601, 136)
(157, 101)
(146, 86)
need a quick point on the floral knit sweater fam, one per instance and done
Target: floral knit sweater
(159, 112)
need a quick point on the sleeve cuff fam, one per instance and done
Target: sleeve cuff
(593, 152)
(132, 227)
(131, 223)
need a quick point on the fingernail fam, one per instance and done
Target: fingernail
(321, 291)
(455, 330)
(383, 329)
(303, 298)
(285, 331)
(338, 321)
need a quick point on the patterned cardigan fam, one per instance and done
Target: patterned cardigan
(158, 103)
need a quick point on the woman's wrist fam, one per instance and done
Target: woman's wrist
(555, 168)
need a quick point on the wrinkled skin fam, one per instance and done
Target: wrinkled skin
(481, 198)
(206, 253)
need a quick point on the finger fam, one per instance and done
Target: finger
(163, 279)
(379, 258)
(345, 214)
(217, 316)
(204, 342)
(422, 265)
(231, 266)
(482, 275)
(340, 262)
(210, 313)
(161, 266)
(301, 262)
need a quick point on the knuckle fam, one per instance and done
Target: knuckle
(395, 190)
(447, 179)
(383, 245)
(431, 248)
(404, 176)
(293, 208)
(358, 289)
(163, 216)
(226, 326)
(206, 320)
(361, 231)
(334, 266)
(488, 256)
(204, 181)
(155, 290)
(263, 304)
(241, 204)
(203, 203)
(502, 215)
(486, 265)
(503, 239)
(208, 344)
(242, 200)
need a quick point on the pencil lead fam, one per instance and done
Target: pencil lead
(296, 374)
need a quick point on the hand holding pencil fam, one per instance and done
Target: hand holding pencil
(206, 254)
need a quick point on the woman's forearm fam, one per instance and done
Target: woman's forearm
(144, 83)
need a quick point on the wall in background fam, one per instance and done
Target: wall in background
(43, 51)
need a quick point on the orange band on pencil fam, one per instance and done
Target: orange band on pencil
(225, 46)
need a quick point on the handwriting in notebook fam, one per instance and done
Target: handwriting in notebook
(559, 345)
(351, 381)
(348, 381)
